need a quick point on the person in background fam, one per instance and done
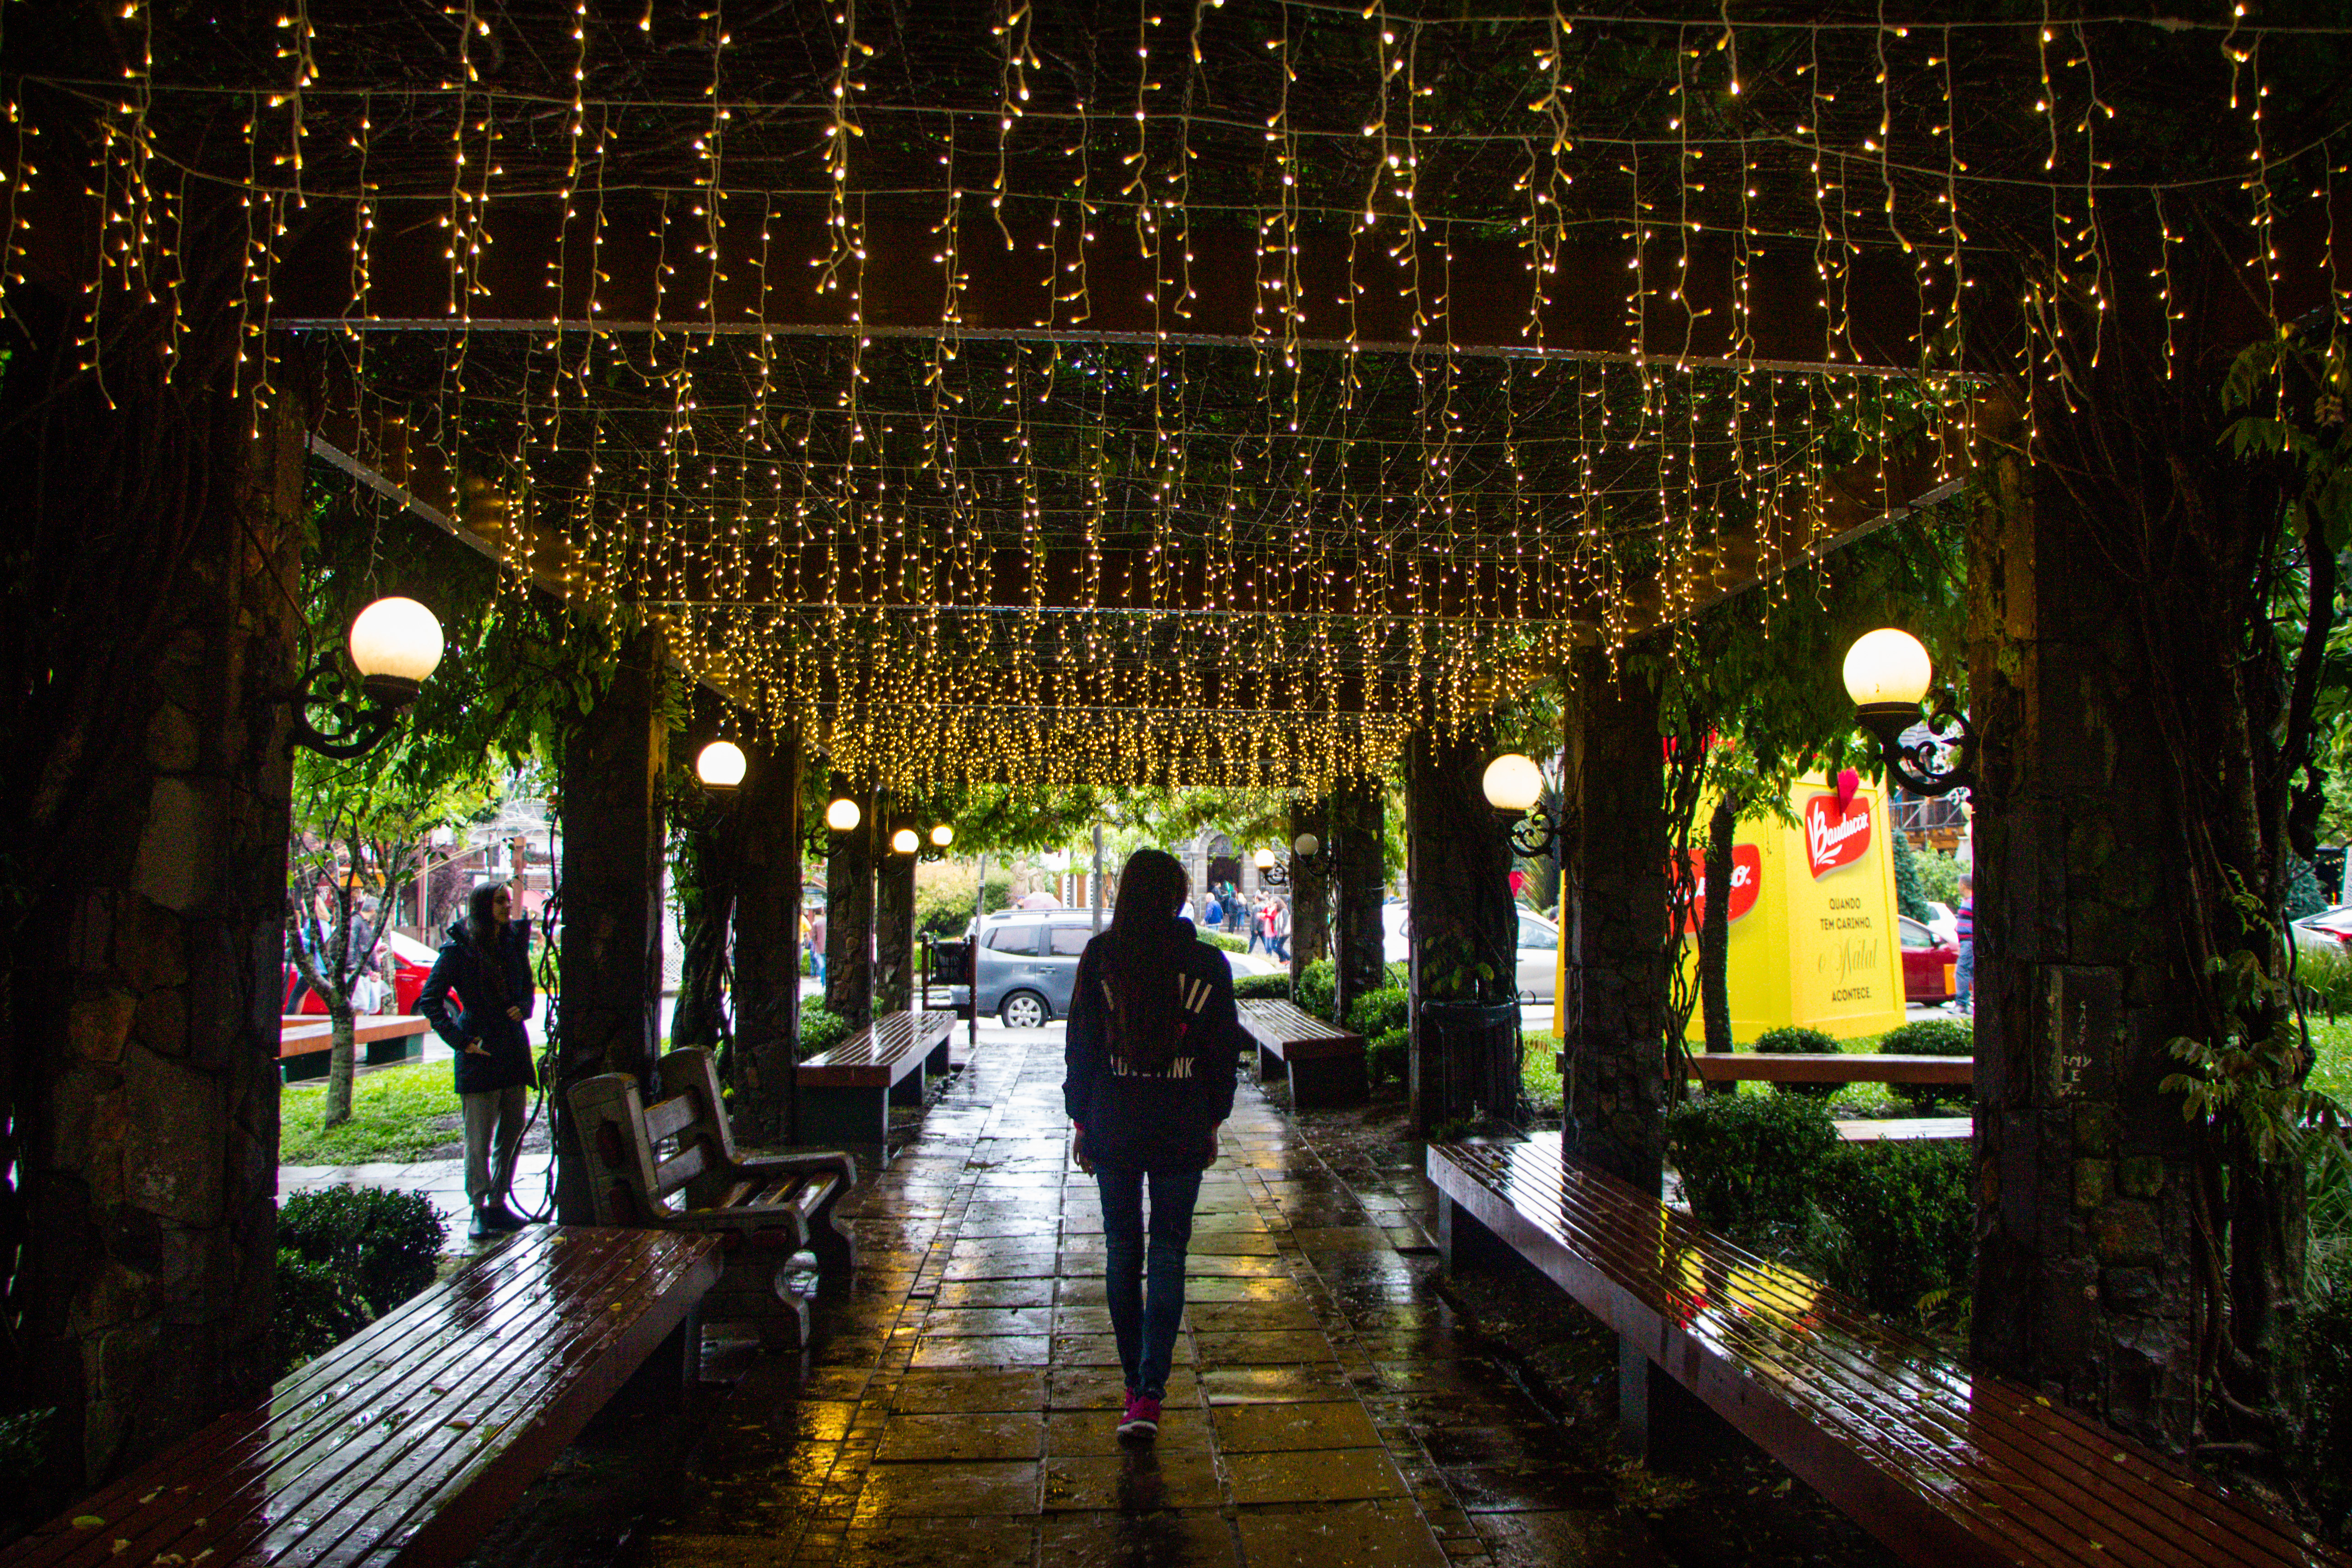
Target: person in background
(1278, 931)
(1153, 1038)
(487, 961)
(1964, 974)
(1254, 924)
(1213, 913)
(816, 922)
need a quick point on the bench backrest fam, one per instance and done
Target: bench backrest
(639, 1155)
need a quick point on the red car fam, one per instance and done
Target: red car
(1927, 964)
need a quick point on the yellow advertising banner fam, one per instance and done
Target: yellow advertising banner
(1811, 918)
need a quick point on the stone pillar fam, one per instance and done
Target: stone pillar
(849, 911)
(894, 913)
(1613, 923)
(768, 941)
(1357, 809)
(1461, 915)
(1311, 892)
(2084, 1258)
(615, 757)
(153, 646)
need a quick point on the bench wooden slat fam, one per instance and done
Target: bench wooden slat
(2015, 1480)
(1293, 1034)
(510, 1345)
(668, 1118)
(306, 1033)
(1756, 1067)
(687, 1165)
(879, 1054)
(2017, 1459)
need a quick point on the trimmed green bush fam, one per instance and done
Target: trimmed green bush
(384, 1245)
(1907, 1209)
(1929, 1037)
(820, 1030)
(1380, 1012)
(313, 1311)
(1262, 988)
(1318, 989)
(1385, 1055)
(1218, 939)
(1749, 1159)
(1794, 1041)
(2324, 1455)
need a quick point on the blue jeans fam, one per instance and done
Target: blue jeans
(1964, 978)
(1145, 1326)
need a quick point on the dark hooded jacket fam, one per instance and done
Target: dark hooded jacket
(1165, 1118)
(478, 1011)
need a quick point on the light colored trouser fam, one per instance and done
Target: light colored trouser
(504, 1109)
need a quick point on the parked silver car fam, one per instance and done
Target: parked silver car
(1029, 964)
(1538, 960)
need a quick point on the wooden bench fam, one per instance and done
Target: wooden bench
(1326, 1063)
(1756, 1067)
(405, 1443)
(1947, 1468)
(1895, 1129)
(761, 1212)
(846, 1092)
(305, 1038)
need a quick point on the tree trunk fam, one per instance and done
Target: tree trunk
(705, 911)
(849, 912)
(894, 917)
(342, 1061)
(1465, 936)
(1715, 926)
(768, 942)
(1311, 892)
(1358, 808)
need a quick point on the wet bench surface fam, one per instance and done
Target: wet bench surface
(405, 1443)
(846, 1092)
(1324, 1062)
(1755, 1066)
(1946, 1467)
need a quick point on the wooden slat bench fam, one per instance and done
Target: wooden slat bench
(404, 1444)
(763, 1212)
(1756, 1067)
(1895, 1129)
(1326, 1063)
(846, 1092)
(305, 1038)
(1948, 1468)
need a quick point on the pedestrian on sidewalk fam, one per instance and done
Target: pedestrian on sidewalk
(1153, 1038)
(1964, 972)
(487, 961)
(1277, 939)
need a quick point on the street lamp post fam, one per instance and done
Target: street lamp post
(1889, 674)
(1514, 785)
(395, 644)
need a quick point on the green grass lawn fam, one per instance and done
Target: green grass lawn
(397, 1113)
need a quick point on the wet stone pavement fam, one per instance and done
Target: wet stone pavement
(959, 1406)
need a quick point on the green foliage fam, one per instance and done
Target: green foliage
(314, 1309)
(1747, 1159)
(1939, 878)
(2303, 894)
(1792, 1041)
(2325, 1456)
(1380, 1012)
(2251, 1078)
(384, 1245)
(1929, 1037)
(1262, 988)
(1319, 985)
(820, 1030)
(1386, 1055)
(1218, 939)
(24, 1443)
(1906, 1209)
(401, 1113)
(2326, 975)
(1909, 899)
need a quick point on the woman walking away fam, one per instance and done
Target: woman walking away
(1152, 1042)
(487, 961)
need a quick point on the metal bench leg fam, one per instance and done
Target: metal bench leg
(908, 1091)
(1269, 1066)
(1466, 1243)
(939, 1064)
(1660, 1423)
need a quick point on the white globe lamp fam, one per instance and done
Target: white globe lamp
(395, 644)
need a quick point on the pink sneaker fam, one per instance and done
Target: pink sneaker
(1141, 1423)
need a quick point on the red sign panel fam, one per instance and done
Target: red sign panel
(1747, 883)
(1835, 836)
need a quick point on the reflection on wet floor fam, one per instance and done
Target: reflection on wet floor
(959, 1406)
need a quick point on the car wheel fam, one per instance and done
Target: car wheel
(1023, 1010)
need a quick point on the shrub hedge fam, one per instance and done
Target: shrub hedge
(1794, 1041)
(1929, 1037)
(1749, 1159)
(1906, 1207)
(347, 1255)
(1262, 988)
(820, 1030)
(1380, 1012)
(1385, 1055)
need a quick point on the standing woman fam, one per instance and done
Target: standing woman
(1152, 1042)
(487, 961)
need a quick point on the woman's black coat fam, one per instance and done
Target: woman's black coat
(1162, 1118)
(484, 993)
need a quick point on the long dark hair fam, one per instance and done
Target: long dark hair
(483, 931)
(1144, 938)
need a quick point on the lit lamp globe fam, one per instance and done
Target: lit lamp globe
(1513, 784)
(842, 815)
(1263, 858)
(904, 842)
(942, 835)
(1305, 846)
(720, 765)
(1887, 674)
(395, 644)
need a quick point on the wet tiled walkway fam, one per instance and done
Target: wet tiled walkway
(960, 1408)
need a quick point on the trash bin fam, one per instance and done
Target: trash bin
(1469, 1062)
